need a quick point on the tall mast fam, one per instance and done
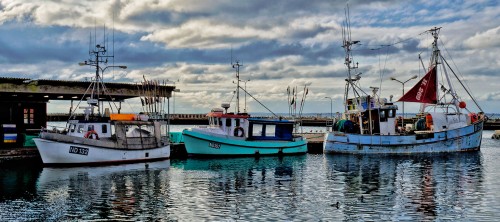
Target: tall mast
(100, 54)
(435, 55)
(347, 45)
(237, 67)
(435, 60)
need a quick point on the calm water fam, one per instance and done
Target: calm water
(463, 187)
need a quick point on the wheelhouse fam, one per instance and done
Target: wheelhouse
(263, 129)
(367, 115)
(229, 122)
(81, 128)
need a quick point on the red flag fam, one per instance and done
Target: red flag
(424, 91)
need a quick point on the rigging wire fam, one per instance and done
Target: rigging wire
(466, 86)
(381, 46)
(259, 102)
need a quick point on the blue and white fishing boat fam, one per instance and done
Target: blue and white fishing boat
(237, 134)
(369, 124)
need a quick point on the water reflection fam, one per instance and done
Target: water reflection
(416, 187)
(290, 188)
(237, 188)
(85, 193)
(18, 181)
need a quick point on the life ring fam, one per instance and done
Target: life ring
(90, 133)
(239, 132)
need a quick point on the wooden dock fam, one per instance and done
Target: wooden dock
(20, 156)
(314, 142)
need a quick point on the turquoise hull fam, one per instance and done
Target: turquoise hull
(202, 144)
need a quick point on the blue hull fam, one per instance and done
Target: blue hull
(457, 140)
(202, 144)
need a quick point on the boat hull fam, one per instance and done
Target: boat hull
(457, 140)
(204, 144)
(55, 152)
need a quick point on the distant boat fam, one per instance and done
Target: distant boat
(237, 134)
(99, 139)
(369, 123)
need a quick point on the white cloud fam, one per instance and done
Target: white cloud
(487, 39)
(178, 40)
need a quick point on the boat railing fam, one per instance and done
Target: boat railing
(55, 129)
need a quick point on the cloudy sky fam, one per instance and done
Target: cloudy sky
(280, 43)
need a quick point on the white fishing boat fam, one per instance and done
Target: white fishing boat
(369, 124)
(103, 139)
(237, 134)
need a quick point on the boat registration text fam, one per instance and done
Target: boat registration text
(79, 150)
(214, 145)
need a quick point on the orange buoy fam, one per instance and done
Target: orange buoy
(462, 105)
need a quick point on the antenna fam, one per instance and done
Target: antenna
(104, 37)
(113, 44)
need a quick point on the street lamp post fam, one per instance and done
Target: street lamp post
(331, 106)
(175, 90)
(403, 83)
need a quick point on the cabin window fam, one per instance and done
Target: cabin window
(104, 128)
(393, 113)
(237, 122)
(80, 129)
(72, 128)
(257, 130)
(228, 122)
(29, 116)
(383, 115)
(270, 130)
(90, 127)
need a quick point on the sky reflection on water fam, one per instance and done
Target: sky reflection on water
(459, 186)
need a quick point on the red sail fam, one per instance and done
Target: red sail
(424, 91)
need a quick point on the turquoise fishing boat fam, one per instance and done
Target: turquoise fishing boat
(237, 134)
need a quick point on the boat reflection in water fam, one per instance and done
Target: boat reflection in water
(407, 187)
(81, 193)
(244, 188)
(452, 186)
(232, 174)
